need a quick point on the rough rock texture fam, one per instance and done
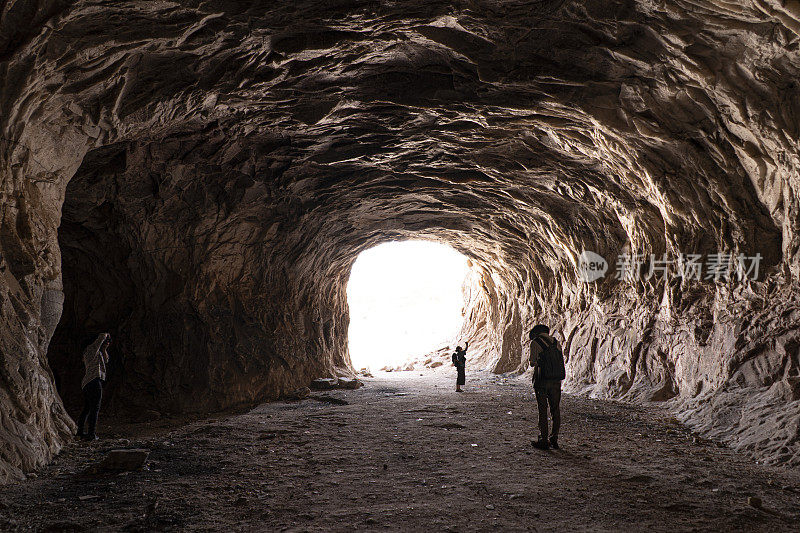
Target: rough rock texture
(215, 168)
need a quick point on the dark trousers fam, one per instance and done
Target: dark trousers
(92, 394)
(548, 392)
(462, 375)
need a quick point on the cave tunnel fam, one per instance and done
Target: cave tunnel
(199, 178)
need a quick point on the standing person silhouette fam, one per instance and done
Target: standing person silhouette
(95, 359)
(460, 362)
(547, 362)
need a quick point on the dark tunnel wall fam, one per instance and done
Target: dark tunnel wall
(160, 264)
(99, 295)
(215, 168)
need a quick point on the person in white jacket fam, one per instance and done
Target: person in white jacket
(95, 359)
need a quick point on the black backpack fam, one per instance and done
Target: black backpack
(551, 361)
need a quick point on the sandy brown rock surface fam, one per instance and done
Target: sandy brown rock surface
(407, 453)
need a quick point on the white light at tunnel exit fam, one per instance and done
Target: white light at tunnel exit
(405, 300)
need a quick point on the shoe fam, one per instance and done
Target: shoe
(554, 442)
(91, 437)
(80, 435)
(540, 444)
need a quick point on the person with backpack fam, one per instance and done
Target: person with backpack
(460, 362)
(547, 362)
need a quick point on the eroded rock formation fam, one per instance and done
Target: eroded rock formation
(215, 168)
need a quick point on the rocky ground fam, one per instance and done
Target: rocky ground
(406, 452)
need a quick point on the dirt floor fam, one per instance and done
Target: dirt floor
(408, 453)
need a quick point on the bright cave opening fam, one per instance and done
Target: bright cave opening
(405, 300)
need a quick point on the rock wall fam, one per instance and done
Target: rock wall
(198, 178)
(209, 306)
(726, 360)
